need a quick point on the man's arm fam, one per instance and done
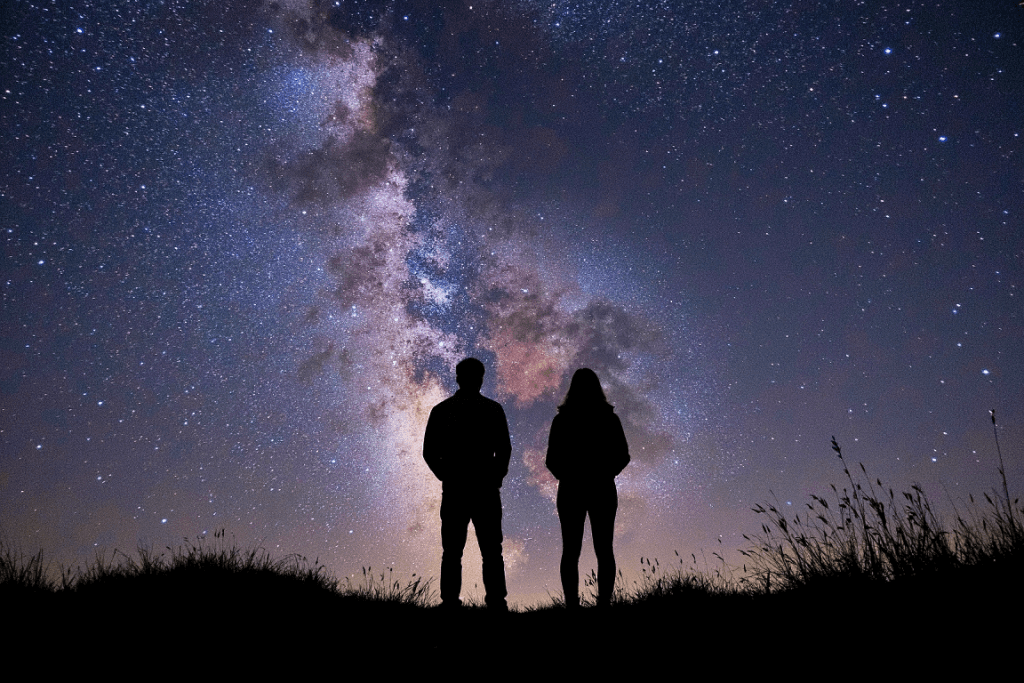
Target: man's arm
(432, 450)
(502, 446)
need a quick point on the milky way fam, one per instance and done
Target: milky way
(246, 245)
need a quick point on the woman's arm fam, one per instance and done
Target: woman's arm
(555, 459)
(618, 449)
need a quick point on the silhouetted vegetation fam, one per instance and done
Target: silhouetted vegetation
(867, 533)
(864, 561)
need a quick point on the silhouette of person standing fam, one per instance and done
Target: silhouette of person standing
(467, 447)
(586, 451)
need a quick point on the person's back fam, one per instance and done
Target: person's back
(466, 439)
(587, 444)
(467, 446)
(586, 450)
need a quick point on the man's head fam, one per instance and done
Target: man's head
(469, 373)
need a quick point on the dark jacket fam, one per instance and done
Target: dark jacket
(467, 445)
(586, 444)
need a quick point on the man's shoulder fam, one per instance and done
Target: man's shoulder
(445, 407)
(462, 404)
(491, 403)
(460, 399)
(445, 403)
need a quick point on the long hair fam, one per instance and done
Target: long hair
(584, 390)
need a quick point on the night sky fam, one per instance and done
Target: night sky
(244, 245)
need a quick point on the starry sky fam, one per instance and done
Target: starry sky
(245, 243)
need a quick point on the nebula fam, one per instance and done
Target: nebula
(246, 245)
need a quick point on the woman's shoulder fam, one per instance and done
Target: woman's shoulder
(585, 409)
(587, 418)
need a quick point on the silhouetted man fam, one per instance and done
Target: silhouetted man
(468, 448)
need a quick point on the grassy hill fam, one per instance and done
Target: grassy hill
(865, 579)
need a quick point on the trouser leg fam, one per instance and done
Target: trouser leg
(602, 525)
(487, 522)
(571, 516)
(454, 527)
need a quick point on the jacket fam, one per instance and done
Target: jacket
(467, 444)
(586, 444)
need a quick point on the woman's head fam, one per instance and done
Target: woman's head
(585, 389)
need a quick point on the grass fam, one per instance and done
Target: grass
(19, 572)
(863, 563)
(205, 570)
(865, 533)
(384, 588)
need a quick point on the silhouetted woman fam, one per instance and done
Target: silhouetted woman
(586, 450)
